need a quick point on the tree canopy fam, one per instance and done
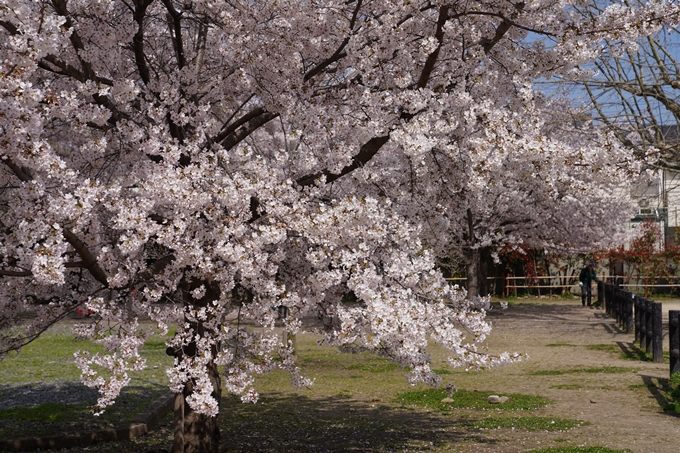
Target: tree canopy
(200, 163)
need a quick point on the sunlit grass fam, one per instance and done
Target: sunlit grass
(592, 370)
(529, 423)
(578, 450)
(432, 398)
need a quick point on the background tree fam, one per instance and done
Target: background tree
(633, 89)
(193, 161)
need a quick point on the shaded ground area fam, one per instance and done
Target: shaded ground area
(26, 395)
(594, 376)
(30, 410)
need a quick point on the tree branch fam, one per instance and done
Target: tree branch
(19, 172)
(138, 39)
(503, 27)
(156, 268)
(89, 261)
(339, 53)
(366, 153)
(174, 22)
(248, 128)
(5, 273)
(432, 58)
(76, 42)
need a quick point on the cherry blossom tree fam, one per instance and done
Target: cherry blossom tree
(200, 162)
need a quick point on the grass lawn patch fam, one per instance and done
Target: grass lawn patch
(46, 367)
(375, 366)
(52, 418)
(634, 353)
(50, 358)
(567, 387)
(594, 370)
(465, 399)
(578, 450)
(50, 412)
(674, 395)
(526, 423)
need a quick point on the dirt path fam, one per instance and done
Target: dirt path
(578, 360)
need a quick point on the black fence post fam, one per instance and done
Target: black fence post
(637, 313)
(657, 329)
(600, 293)
(649, 326)
(674, 339)
(608, 299)
(643, 324)
(628, 312)
(605, 290)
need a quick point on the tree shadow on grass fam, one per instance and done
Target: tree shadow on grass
(41, 409)
(27, 395)
(279, 423)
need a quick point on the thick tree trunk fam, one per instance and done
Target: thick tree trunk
(193, 432)
(485, 260)
(201, 433)
(472, 273)
(478, 260)
(476, 271)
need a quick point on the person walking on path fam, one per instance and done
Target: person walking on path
(586, 279)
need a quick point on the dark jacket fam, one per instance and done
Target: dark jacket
(587, 276)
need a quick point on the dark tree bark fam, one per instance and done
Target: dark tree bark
(201, 433)
(477, 271)
(478, 261)
(194, 432)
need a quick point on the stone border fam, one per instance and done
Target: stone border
(140, 425)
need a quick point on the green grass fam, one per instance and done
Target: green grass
(50, 412)
(594, 370)
(673, 406)
(526, 423)
(375, 366)
(578, 450)
(49, 359)
(566, 387)
(603, 347)
(634, 353)
(470, 400)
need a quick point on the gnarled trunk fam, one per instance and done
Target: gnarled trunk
(194, 432)
(197, 433)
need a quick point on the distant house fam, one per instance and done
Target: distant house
(659, 198)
